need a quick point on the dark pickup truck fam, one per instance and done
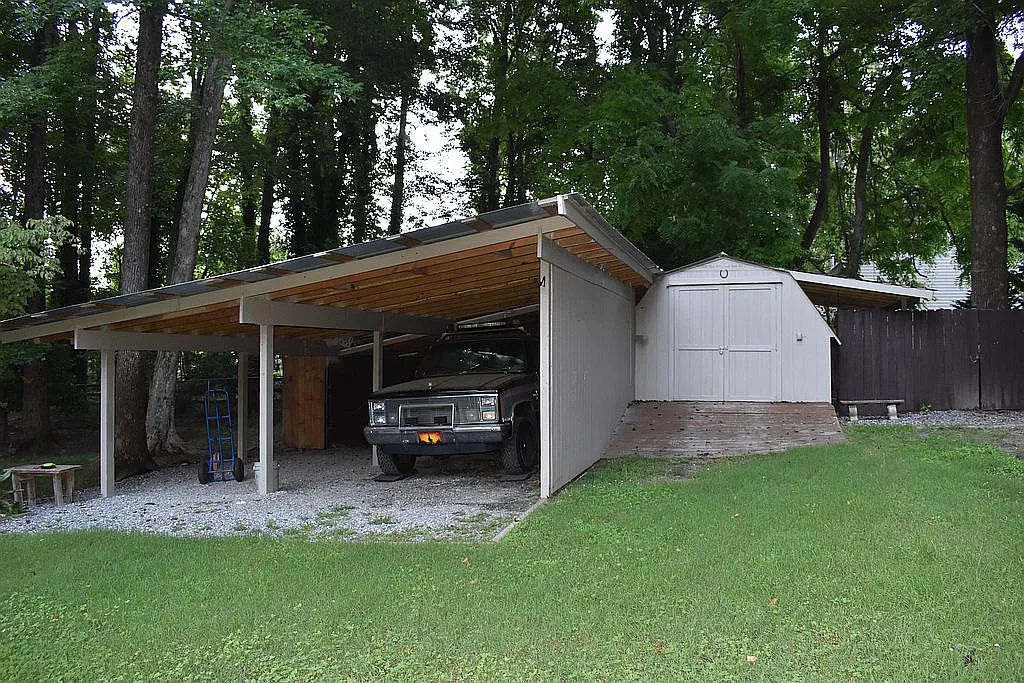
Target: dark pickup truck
(476, 391)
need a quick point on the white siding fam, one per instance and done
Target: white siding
(587, 363)
(804, 338)
(942, 276)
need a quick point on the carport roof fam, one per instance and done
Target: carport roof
(843, 292)
(447, 272)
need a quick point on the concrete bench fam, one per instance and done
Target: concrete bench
(890, 403)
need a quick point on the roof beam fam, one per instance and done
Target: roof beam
(266, 312)
(100, 340)
(488, 317)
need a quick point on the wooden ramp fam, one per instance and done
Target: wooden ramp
(708, 429)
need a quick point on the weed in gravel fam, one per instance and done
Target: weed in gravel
(334, 515)
(240, 528)
(272, 525)
(382, 520)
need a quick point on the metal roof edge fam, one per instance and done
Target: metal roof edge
(862, 285)
(574, 207)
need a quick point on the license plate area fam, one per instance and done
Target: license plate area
(429, 437)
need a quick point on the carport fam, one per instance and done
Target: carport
(558, 254)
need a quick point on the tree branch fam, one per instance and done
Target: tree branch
(1013, 87)
(1010, 191)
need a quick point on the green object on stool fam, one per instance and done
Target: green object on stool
(48, 465)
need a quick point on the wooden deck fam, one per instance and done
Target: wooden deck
(711, 430)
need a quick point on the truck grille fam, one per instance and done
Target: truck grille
(440, 415)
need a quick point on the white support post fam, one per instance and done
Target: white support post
(378, 371)
(107, 422)
(267, 479)
(242, 408)
(545, 379)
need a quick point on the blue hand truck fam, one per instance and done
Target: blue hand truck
(220, 439)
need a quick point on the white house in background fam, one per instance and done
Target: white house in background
(942, 276)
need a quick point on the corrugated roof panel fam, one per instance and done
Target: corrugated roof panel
(373, 248)
(187, 288)
(248, 276)
(127, 299)
(513, 214)
(303, 263)
(439, 233)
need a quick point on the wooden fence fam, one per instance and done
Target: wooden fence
(949, 359)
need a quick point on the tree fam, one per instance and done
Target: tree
(35, 402)
(988, 102)
(161, 436)
(131, 450)
(28, 258)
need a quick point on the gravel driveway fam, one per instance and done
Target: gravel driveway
(324, 494)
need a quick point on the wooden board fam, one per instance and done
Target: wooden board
(302, 402)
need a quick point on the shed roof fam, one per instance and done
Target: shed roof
(456, 270)
(839, 292)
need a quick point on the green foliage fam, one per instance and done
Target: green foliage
(28, 258)
(886, 558)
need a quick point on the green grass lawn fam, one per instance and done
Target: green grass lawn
(886, 558)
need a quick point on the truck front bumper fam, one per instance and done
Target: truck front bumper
(455, 440)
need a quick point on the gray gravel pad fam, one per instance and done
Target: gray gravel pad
(324, 494)
(952, 418)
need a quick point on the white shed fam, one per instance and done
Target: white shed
(724, 329)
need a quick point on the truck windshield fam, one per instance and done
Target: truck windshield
(457, 357)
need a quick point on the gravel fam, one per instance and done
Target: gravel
(324, 494)
(953, 418)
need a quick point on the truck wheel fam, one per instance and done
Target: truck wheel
(204, 471)
(520, 453)
(396, 463)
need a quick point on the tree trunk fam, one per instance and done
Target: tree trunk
(823, 106)
(366, 159)
(35, 397)
(71, 157)
(398, 190)
(163, 439)
(131, 452)
(181, 188)
(492, 185)
(250, 194)
(989, 274)
(740, 76)
(267, 195)
(860, 202)
(4, 437)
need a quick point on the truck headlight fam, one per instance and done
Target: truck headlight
(489, 408)
(378, 414)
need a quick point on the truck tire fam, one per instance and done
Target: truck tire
(396, 463)
(520, 453)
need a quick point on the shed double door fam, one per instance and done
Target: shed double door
(726, 342)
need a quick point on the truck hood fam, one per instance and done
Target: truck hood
(452, 384)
